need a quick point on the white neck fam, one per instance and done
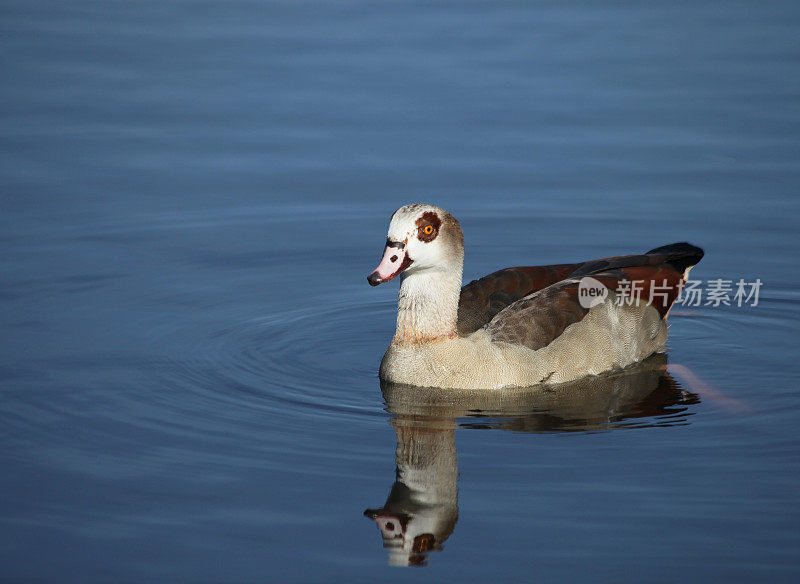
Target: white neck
(427, 307)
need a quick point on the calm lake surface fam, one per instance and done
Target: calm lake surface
(191, 196)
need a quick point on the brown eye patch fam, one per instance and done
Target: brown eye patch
(428, 226)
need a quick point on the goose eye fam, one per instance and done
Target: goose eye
(428, 226)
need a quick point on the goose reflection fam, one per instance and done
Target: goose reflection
(421, 510)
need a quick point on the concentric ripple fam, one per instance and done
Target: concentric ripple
(316, 361)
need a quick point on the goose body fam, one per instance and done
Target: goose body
(519, 326)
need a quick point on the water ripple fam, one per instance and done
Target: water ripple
(311, 361)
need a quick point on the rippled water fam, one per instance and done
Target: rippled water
(193, 193)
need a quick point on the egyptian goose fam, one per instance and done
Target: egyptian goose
(519, 326)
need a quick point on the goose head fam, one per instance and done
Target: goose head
(421, 238)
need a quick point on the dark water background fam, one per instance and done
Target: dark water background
(193, 192)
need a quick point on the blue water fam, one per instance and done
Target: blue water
(191, 196)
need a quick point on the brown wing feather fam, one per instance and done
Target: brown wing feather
(537, 320)
(657, 285)
(481, 300)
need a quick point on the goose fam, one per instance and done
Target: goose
(519, 326)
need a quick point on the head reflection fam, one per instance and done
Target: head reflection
(421, 510)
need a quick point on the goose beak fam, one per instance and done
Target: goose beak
(395, 260)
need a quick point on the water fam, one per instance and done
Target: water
(193, 194)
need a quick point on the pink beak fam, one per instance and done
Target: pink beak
(393, 263)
